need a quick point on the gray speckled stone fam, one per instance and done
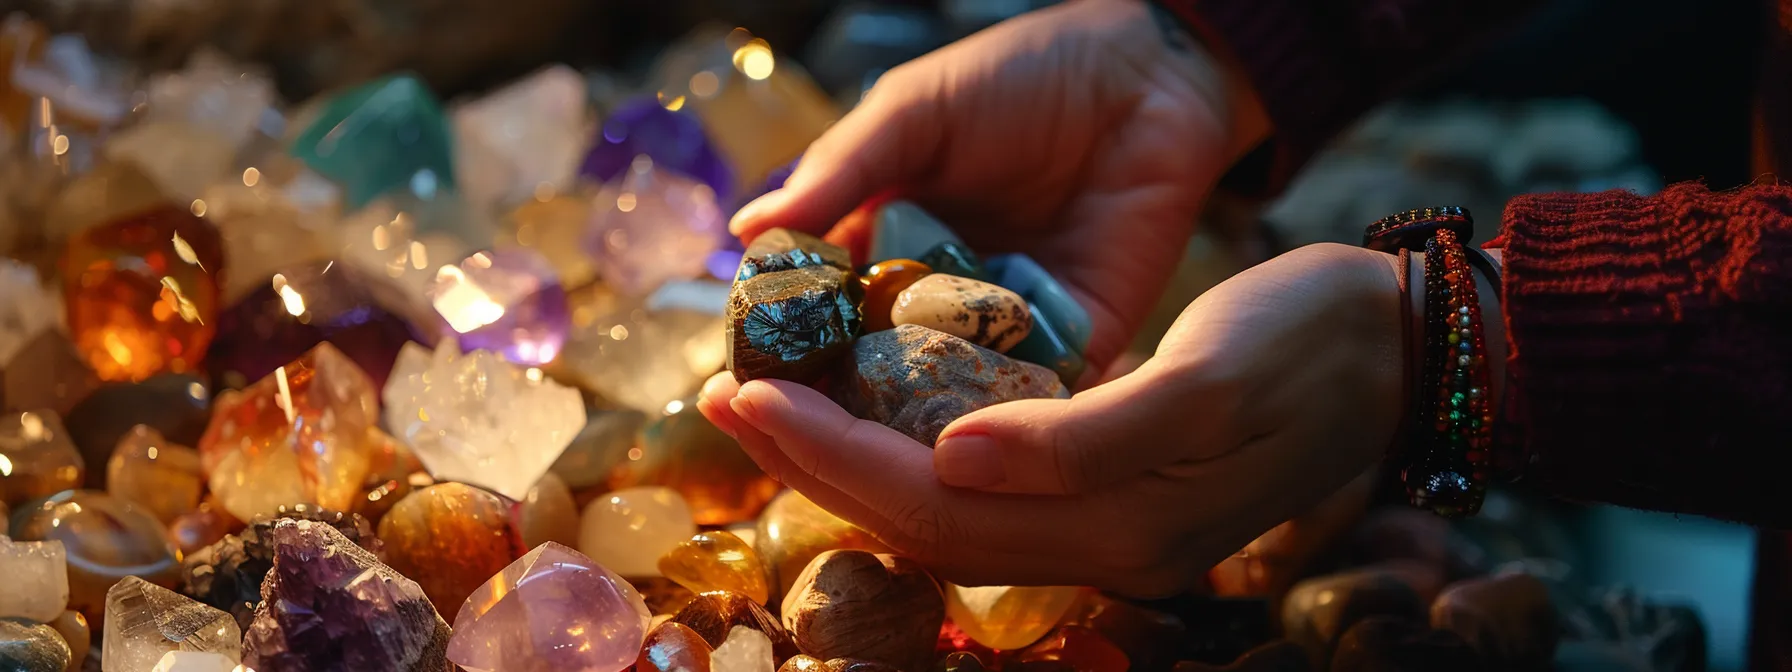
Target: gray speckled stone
(917, 380)
(31, 647)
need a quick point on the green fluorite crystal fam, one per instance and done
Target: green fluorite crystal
(384, 135)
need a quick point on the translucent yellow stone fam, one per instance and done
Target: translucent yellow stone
(1008, 617)
(161, 476)
(717, 561)
(793, 530)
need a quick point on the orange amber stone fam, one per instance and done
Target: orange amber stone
(450, 539)
(142, 293)
(883, 281)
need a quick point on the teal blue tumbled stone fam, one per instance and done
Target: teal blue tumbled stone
(904, 231)
(386, 135)
(1020, 274)
(1046, 346)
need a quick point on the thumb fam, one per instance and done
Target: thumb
(878, 147)
(1149, 419)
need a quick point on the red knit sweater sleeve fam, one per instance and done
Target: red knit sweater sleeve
(1651, 360)
(1319, 64)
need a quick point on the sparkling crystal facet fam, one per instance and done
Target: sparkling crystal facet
(228, 574)
(450, 538)
(142, 293)
(641, 355)
(1008, 617)
(38, 457)
(650, 226)
(382, 136)
(521, 138)
(408, 238)
(161, 476)
(145, 621)
(716, 561)
(479, 419)
(553, 609)
(628, 530)
(105, 538)
(675, 141)
(298, 436)
(36, 579)
(507, 301)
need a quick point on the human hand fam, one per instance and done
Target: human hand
(1085, 135)
(1272, 390)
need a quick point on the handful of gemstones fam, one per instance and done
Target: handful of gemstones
(922, 335)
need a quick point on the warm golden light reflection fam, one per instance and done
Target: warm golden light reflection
(675, 104)
(464, 304)
(619, 332)
(59, 145)
(674, 406)
(198, 207)
(534, 376)
(626, 201)
(284, 398)
(295, 304)
(705, 84)
(251, 176)
(755, 60)
(419, 255)
(382, 238)
(5, 466)
(31, 426)
(177, 303)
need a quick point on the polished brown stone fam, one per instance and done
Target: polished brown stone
(883, 282)
(673, 647)
(202, 527)
(450, 539)
(793, 530)
(876, 607)
(664, 597)
(142, 292)
(1318, 611)
(917, 380)
(106, 539)
(547, 513)
(792, 324)
(685, 452)
(713, 614)
(38, 458)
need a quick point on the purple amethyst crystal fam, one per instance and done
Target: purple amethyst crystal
(508, 301)
(675, 141)
(366, 317)
(328, 604)
(228, 574)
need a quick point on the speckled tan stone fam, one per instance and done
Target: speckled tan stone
(982, 313)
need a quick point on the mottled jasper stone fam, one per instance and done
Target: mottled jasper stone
(228, 574)
(328, 604)
(450, 539)
(673, 647)
(106, 539)
(1278, 656)
(1384, 644)
(1317, 611)
(884, 282)
(979, 312)
(712, 615)
(1084, 650)
(31, 647)
(917, 380)
(877, 607)
(783, 250)
(1507, 617)
(791, 324)
(793, 530)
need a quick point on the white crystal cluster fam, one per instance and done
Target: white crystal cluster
(36, 579)
(477, 419)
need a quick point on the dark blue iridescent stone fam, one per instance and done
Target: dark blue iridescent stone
(789, 324)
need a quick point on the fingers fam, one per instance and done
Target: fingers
(1147, 420)
(883, 143)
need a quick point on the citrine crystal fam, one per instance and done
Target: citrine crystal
(716, 560)
(1008, 617)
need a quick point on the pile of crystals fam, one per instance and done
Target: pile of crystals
(373, 384)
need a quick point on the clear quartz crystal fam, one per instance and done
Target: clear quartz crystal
(26, 307)
(193, 661)
(478, 419)
(409, 238)
(36, 579)
(264, 228)
(645, 354)
(745, 650)
(521, 138)
(650, 226)
(145, 621)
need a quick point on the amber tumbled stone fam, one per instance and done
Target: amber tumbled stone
(883, 281)
(142, 293)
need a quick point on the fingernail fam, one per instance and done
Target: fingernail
(742, 408)
(970, 461)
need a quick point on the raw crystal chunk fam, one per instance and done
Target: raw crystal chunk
(382, 136)
(265, 229)
(36, 579)
(979, 312)
(793, 530)
(450, 538)
(547, 513)
(628, 530)
(366, 317)
(479, 419)
(1008, 617)
(31, 647)
(192, 661)
(40, 461)
(917, 380)
(675, 141)
(522, 137)
(784, 250)
(105, 538)
(161, 476)
(876, 607)
(507, 301)
(883, 282)
(745, 650)
(145, 621)
(27, 308)
(228, 574)
(791, 324)
(639, 353)
(682, 450)
(330, 605)
(717, 560)
(650, 226)
(555, 227)
(298, 436)
(408, 238)
(142, 292)
(553, 609)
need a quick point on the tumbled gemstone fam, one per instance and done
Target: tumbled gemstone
(884, 281)
(803, 664)
(793, 530)
(330, 605)
(298, 436)
(517, 139)
(1008, 617)
(674, 140)
(650, 226)
(159, 475)
(450, 538)
(479, 419)
(39, 459)
(629, 529)
(386, 135)
(715, 615)
(178, 406)
(145, 621)
(673, 647)
(73, 628)
(792, 324)
(954, 258)
(36, 579)
(855, 605)
(602, 446)
(142, 293)
(1054, 309)
(902, 230)
(553, 609)
(202, 527)
(710, 561)
(106, 539)
(979, 312)
(917, 380)
(641, 353)
(1317, 611)
(547, 513)
(366, 317)
(745, 650)
(682, 450)
(507, 301)
(31, 647)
